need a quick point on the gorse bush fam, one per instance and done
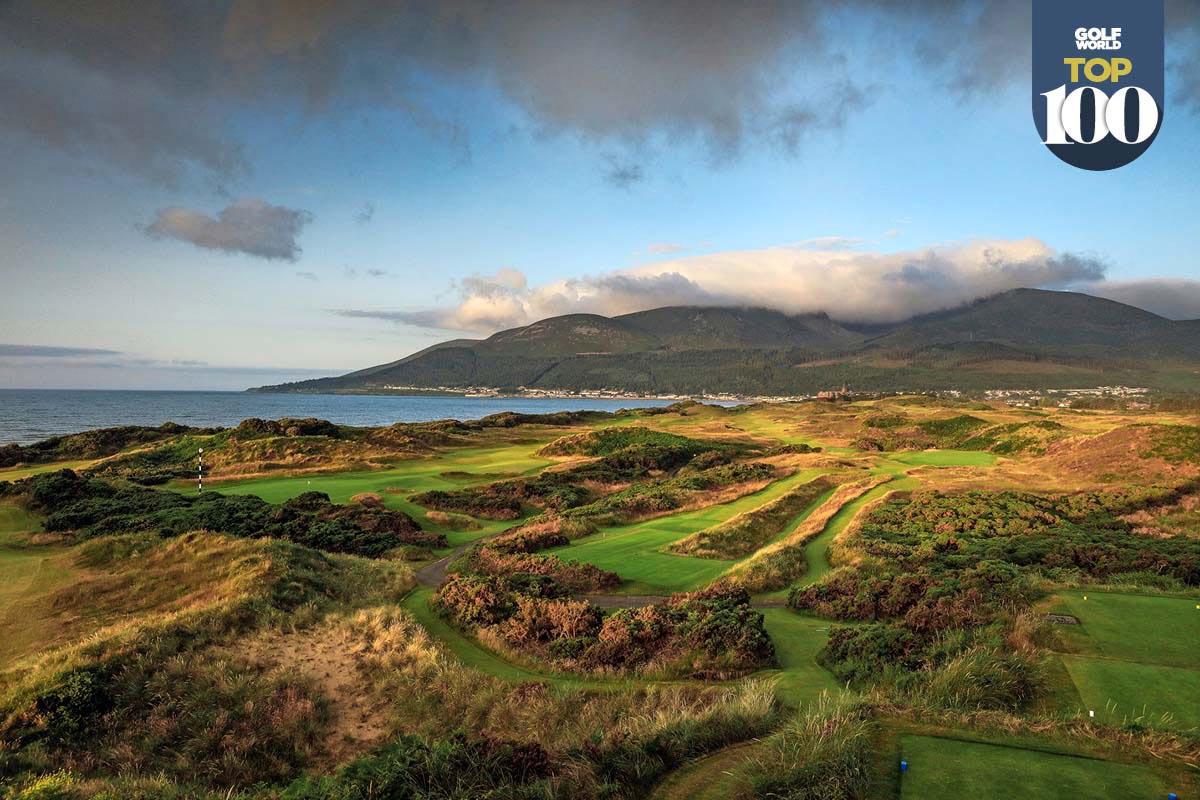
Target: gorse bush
(458, 768)
(608, 441)
(91, 444)
(69, 709)
(1081, 531)
(573, 576)
(507, 499)
(94, 507)
(942, 574)
(1177, 444)
(714, 632)
(660, 496)
(625, 455)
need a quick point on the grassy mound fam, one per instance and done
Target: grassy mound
(607, 441)
(746, 533)
(784, 562)
(146, 686)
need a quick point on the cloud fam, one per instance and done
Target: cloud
(365, 214)
(831, 243)
(308, 276)
(623, 73)
(47, 351)
(852, 285)
(665, 248)
(1174, 298)
(250, 226)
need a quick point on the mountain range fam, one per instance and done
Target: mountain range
(1024, 338)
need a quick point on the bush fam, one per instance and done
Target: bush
(711, 633)
(69, 710)
(94, 507)
(412, 769)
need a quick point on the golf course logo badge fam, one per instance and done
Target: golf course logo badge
(1098, 79)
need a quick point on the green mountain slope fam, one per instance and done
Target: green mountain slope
(1025, 338)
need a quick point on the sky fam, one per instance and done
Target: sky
(221, 195)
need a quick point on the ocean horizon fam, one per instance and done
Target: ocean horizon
(29, 415)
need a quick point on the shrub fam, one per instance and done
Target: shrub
(573, 576)
(70, 709)
(710, 633)
(93, 507)
(412, 769)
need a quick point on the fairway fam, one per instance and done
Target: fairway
(20, 473)
(28, 573)
(1134, 656)
(715, 777)
(446, 471)
(634, 551)
(797, 640)
(950, 769)
(816, 552)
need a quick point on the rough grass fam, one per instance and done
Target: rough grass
(630, 734)
(747, 532)
(803, 553)
(825, 752)
(142, 683)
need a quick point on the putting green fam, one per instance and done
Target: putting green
(634, 551)
(946, 458)
(446, 471)
(949, 769)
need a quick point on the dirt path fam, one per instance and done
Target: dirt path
(432, 575)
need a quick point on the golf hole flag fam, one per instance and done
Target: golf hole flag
(1098, 79)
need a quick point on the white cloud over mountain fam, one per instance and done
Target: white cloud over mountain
(854, 285)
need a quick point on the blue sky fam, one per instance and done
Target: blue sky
(491, 190)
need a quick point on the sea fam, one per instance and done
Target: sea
(28, 415)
